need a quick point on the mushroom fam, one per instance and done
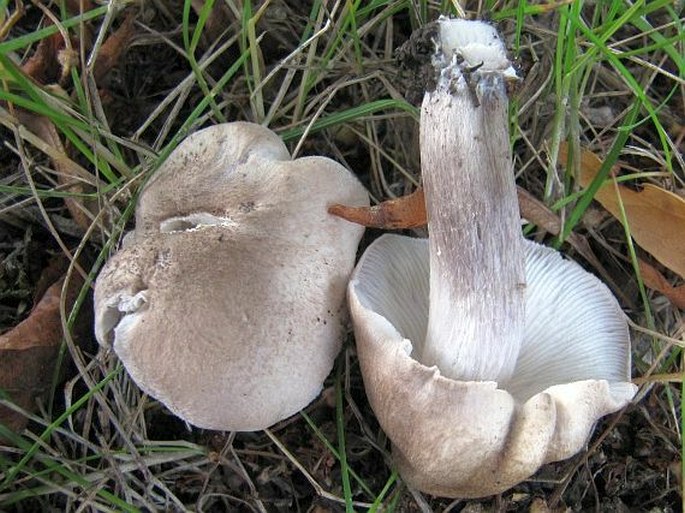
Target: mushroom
(227, 301)
(484, 355)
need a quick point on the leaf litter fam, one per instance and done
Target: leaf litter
(655, 218)
(29, 352)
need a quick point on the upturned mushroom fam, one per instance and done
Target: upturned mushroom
(484, 355)
(226, 302)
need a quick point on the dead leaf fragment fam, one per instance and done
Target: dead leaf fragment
(656, 281)
(404, 212)
(656, 217)
(28, 352)
(113, 47)
(44, 66)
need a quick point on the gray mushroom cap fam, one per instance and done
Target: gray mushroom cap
(227, 301)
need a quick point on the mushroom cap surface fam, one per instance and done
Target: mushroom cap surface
(472, 439)
(227, 301)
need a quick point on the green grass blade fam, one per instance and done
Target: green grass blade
(611, 158)
(27, 40)
(349, 115)
(378, 502)
(335, 452)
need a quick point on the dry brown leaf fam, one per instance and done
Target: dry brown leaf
(44, 66)
(113, 47)
(49, 275)
(667, 377)
(28, 352)
(656, 281)
(656, 216)
(404, 212)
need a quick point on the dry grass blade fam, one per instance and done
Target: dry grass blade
(68, 174)
(317, 487)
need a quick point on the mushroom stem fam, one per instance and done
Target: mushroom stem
(475, 243)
